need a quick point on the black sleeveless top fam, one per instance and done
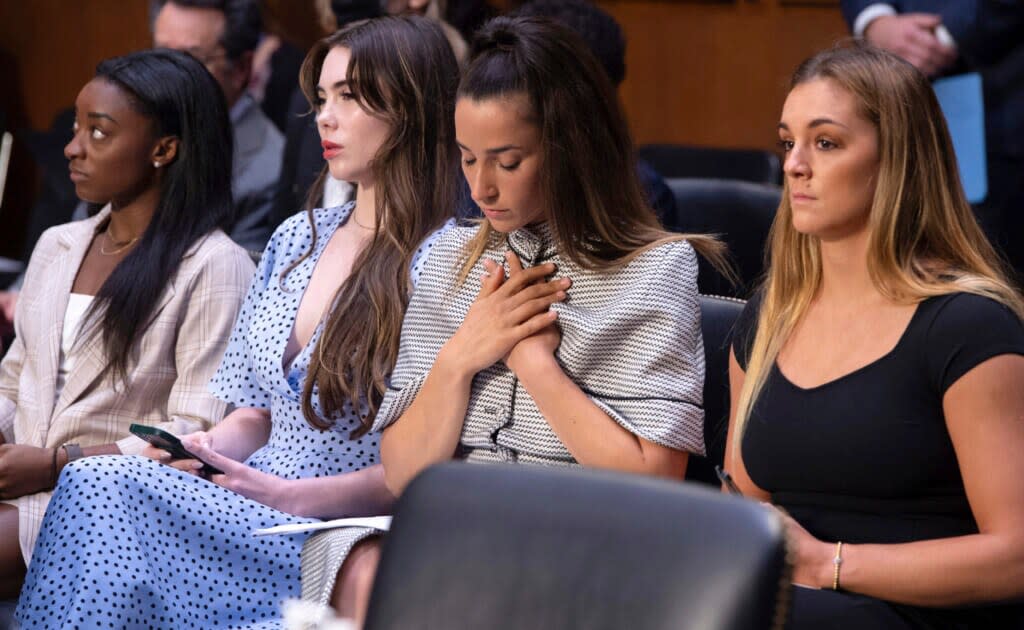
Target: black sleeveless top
(867, 457)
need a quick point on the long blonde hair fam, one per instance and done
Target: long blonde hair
(924, 239)
(402, 70)
(595, 204)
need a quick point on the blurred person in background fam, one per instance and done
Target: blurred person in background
(222, 35)
(943, 38)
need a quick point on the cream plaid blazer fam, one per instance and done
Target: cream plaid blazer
(177, 355)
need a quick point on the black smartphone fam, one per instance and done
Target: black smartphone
(170, 443)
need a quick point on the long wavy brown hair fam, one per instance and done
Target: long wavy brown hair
(924, 238)
(402, 70)
(593, 198)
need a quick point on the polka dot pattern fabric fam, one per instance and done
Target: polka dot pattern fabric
(128, 543)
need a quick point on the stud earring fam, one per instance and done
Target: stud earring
(156, 164)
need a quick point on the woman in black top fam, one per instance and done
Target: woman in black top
(878, 376)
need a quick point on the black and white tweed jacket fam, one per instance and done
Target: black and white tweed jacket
(631, 340)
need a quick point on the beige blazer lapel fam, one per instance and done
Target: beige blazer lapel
(91, 358)
(74, 244)
(88, 345)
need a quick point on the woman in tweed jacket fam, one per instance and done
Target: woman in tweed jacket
(562, 330)
(124, 316)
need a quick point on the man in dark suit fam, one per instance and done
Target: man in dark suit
(945, 37)
(223, 34)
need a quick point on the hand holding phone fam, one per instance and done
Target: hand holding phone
(169, 442)
(727, 481)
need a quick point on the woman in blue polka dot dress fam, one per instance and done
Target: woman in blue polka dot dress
(132, 542)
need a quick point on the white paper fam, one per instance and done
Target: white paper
(382, 523)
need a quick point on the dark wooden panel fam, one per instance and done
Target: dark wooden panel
(711, 73)
(49, 49)
(57, 45)
(714, 74)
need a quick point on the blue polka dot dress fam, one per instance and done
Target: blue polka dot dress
(129, 543)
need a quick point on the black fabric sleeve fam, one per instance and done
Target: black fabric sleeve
(967, 330)
(746, 328)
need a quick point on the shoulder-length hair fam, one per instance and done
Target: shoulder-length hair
(402, 70)
(924, 239)
(183, 100)
(592, 196)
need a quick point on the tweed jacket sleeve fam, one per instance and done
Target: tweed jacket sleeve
(630, 340)
(645, 367)
(9, 371)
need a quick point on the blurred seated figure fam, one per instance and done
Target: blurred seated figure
(878, 374)
(604, 37)
(943, 38)
(305, 370)
(53, 205)
(275, 77)
(123, 317)
(468, 15)
(434, 10)
(222, 34)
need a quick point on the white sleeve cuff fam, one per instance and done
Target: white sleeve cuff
(131, 445)
(870, 13)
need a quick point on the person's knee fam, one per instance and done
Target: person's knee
(351, 594)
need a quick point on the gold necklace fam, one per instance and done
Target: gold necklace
(353, 215)
(118, 247)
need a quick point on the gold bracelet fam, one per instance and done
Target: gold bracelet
(837, 561)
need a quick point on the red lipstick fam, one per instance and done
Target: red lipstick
(330, 149)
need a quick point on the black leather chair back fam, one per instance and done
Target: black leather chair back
(677, 160)
(503, 546)
(741, 213)
(717, 322)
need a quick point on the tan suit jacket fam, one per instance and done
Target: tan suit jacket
(176, 355)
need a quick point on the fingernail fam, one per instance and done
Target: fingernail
(564, 282)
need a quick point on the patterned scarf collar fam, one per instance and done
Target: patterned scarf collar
(534, 242)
